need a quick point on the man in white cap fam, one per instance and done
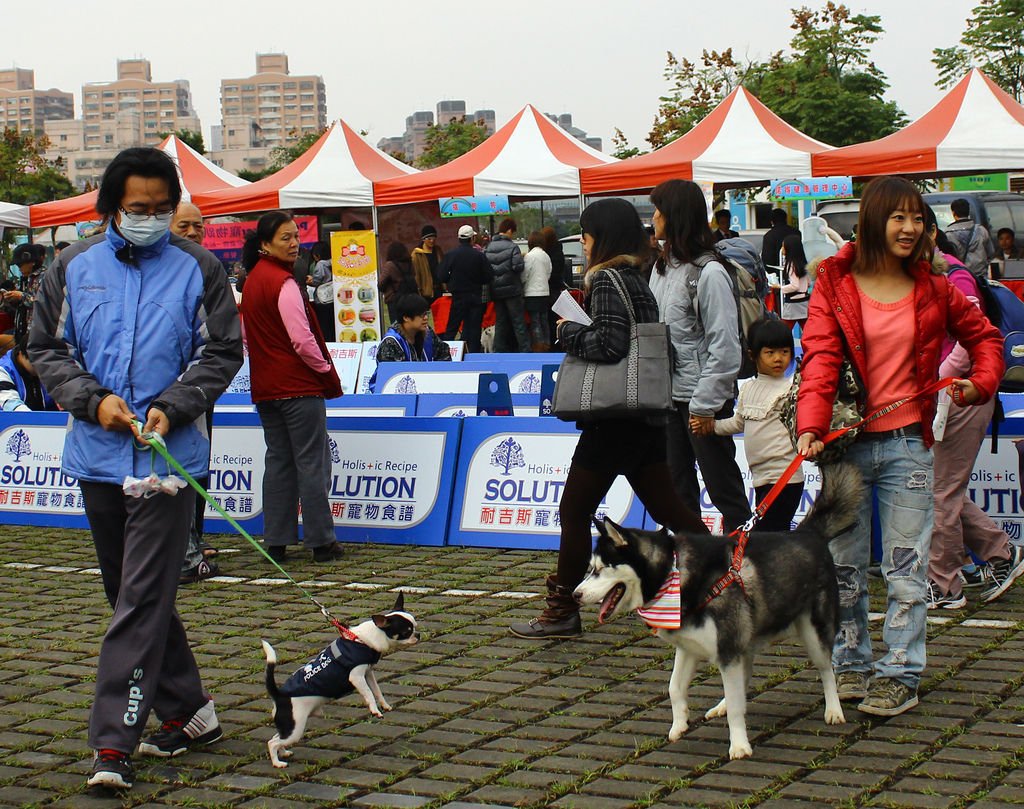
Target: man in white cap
(466, 271)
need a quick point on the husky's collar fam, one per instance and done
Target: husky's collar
(664, 611)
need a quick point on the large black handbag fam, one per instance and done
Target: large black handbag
(639, 384)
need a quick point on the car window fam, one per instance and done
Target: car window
(1017, 212)
(943, 215)
(998, 216)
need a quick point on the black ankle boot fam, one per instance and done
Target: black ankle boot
(560, 619)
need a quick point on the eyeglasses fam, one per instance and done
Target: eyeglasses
(137, 218)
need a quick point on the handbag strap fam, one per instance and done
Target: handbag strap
(616, 280)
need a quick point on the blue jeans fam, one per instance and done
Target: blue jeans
(899, 469)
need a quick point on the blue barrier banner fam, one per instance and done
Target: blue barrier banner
(460, 405)
(392, 478)
(994, 484)
(524, 374)
(511, 473)
(349, 405)
(33, 490)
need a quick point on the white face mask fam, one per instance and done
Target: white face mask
(142, 234)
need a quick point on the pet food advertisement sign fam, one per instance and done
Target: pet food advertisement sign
(33, 490)
(236, 472)
(356, 301)
(392, 478)
(511, 475)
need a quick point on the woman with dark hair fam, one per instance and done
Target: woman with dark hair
(613, 242)
(410, 338)
(396, 276)
(291, 374)
(795, 280)
(696, 298)
(878, 304)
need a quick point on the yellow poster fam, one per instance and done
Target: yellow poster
(356, 300)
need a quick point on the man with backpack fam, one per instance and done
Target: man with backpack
(971, 242)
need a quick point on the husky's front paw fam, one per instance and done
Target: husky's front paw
(677, 730)
(717, 711)
(740, 750)
(384, 706)
(280, 764)
(835, 717)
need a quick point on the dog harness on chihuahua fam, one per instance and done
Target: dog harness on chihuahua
(742, 534)
(327, 674)
(157, 444)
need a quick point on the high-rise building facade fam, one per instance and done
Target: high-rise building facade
(26, 109)
(282, 107)
(413, 142)
(111, 109)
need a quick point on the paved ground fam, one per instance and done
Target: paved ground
(481, 718)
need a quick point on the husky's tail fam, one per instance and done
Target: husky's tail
(271, 664)
(835, 510)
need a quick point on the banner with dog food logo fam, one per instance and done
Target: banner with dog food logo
(391, 479)
(356, 301)
(994, 485)
(33, 489)
(236, 472)
(511, 476)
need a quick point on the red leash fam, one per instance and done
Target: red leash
(732, 576)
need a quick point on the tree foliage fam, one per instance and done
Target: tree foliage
(993, 41)
(281, 156)
(26, 177)
(829, 88)
(445, 143)
(189, 137)
(622, 148)
(696, 89)
(826, 85)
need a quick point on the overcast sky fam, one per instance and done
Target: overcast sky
(601, 60)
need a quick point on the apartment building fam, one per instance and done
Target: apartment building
(413, 142)
(109, 109)
(26, 109)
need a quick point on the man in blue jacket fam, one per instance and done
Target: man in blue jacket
(137, 324)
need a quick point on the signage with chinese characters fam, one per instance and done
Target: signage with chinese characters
(812, 188)
(356, 300)
(511, 476)
(33, 489)
(225, 239)
(484, 205)
(392, 479)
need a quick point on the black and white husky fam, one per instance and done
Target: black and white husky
(788, 585)
(346, 665)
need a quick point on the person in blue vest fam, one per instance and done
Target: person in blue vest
(410, 338)
(20, 388)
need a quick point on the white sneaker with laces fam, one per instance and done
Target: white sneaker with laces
(1000, 574)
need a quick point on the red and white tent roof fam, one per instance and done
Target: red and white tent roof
(340, 170)
(530, 156)
(13, 215)
(739, 142)
(196, 174)
(976, 127)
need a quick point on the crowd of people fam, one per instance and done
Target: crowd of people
(137, 331)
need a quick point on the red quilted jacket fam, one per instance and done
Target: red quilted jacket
(835, 330)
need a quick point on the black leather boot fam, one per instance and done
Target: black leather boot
(560, 619)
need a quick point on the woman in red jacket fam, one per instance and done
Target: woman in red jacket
(878, 304)
(290, 374)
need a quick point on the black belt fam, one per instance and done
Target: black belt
(910, 431)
